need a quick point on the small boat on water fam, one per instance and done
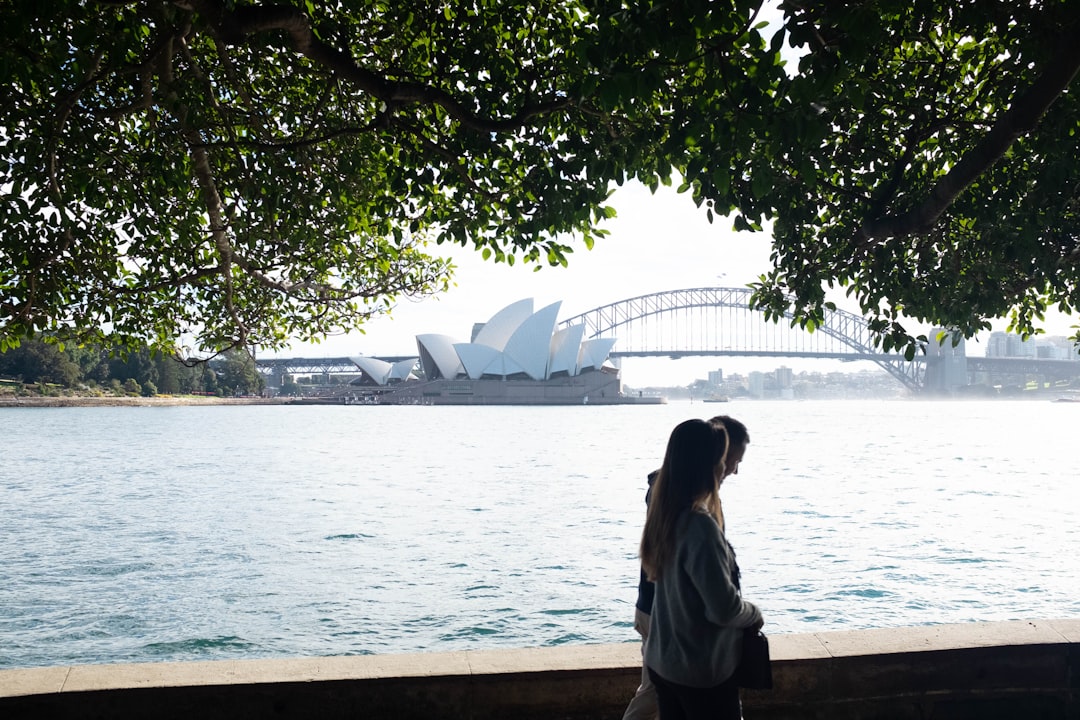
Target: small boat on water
(716, 398)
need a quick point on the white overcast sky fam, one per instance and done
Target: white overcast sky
(657, 242)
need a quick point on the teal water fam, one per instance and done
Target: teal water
(164, 534)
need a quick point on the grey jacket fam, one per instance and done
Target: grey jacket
(698, 614)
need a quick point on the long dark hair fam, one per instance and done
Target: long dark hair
(687, 479)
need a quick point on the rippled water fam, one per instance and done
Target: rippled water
(145, 534)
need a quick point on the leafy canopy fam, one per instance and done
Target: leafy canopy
(248, 172)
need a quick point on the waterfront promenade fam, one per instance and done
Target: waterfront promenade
(979, 670)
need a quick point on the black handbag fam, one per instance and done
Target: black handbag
(754, 670)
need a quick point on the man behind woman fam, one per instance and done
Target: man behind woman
(693, 625)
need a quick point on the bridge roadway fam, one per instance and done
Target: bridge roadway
(345, 366)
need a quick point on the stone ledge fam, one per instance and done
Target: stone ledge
(985, 670)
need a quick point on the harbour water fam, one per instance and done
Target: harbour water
(184, 533)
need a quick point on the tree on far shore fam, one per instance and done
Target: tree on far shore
(247, 173)
(39, 362)
(139, 371)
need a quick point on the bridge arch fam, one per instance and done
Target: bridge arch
(710, 313)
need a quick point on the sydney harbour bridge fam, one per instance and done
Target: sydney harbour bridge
(718, 321)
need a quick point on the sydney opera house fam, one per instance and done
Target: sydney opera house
(518, 357)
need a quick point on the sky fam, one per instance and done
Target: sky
(657, 242)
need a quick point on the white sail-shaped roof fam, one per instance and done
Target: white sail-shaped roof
(438, 357)
(475, 358)
(503, 365)
(500, 328)
(594, 352)
(515, 341)
(530, 345)
(565, 345)
(403, 370)
(377, 370)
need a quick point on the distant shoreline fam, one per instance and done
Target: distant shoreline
(46, 401)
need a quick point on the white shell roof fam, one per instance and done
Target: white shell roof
(498, 330)
(530, 344)
(475, 358)
(403, 369)
(564, 350)
(382, 372)
(377, 370)
(515, 340)
(594, 352)
(503, 365)
(440, 350)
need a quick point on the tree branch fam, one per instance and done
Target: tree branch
(1020, 119)
(235, 26)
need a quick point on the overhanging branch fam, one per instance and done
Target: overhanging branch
(1020, 119)
(237, 25)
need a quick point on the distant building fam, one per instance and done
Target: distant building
(998, 345)
(755, 384)
(785, 381)
(517, 357)
(515, 343)
(1011, 345)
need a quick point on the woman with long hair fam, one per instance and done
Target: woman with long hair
(698, 614)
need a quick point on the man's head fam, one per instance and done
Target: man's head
(738, 439)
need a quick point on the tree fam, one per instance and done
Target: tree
(289, 386)
(93, 362)
(247, 172)
(238, 376)
(934, 168)
(169, 372)
(36, 361)
(138, 364)
(920, 153)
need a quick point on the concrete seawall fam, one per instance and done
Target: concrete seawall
(980, 670)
